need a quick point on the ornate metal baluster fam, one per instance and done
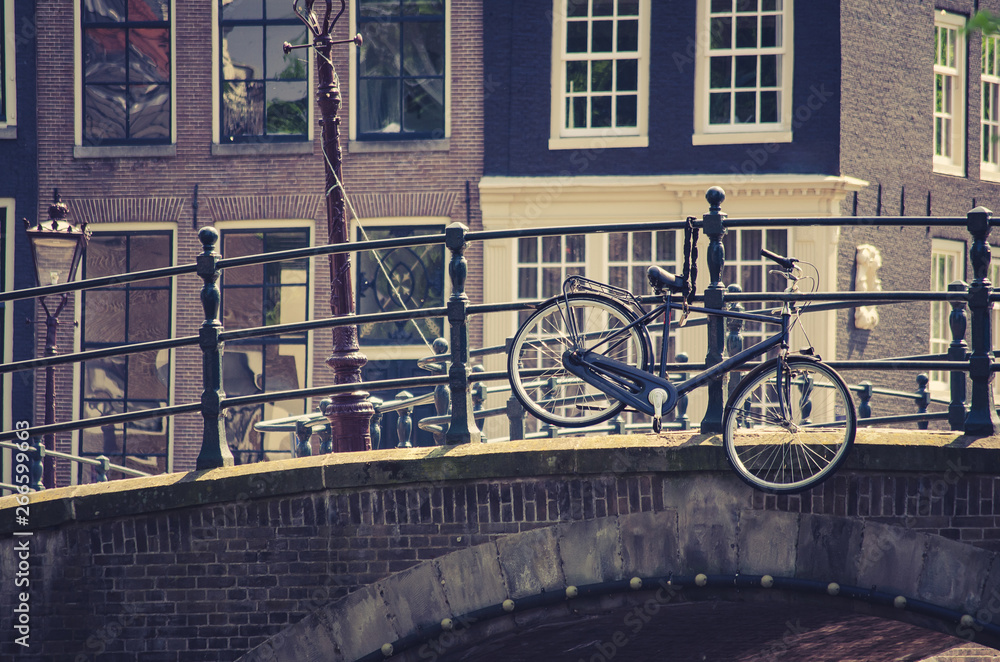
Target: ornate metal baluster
(982, 419)
(714, 226)
(442, 396)
(957, 351)
(214, 449)
(734, 341)
(923, 398)
(404, 424)
(865, 395)
(462, 428)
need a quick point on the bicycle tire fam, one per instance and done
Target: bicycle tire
(788, 457)
(538, 379)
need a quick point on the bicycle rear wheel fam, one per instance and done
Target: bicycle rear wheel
(792, 448)
(535, 367)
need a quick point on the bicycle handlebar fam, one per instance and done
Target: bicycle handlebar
(786, 263)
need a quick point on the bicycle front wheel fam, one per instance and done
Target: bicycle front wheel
(538, 379)
(790, 440)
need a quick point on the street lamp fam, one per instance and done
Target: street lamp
(57, 246)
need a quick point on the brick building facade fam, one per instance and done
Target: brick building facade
(168, 116)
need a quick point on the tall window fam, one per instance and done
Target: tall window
(543, 263)
(262, 295)
(990, 164)
(744, 71)
(630, 255)
(119, 314)
(265, 92)
(401, 70)
(949, 94)
(947, 266)
(4, 64)
(127, 84)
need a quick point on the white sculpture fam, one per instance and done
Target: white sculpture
(868, 261)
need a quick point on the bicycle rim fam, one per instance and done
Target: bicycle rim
(789, 448)
(537, 377)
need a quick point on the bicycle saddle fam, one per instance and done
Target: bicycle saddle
(661, 279)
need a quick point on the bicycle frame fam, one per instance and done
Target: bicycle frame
(634, 386)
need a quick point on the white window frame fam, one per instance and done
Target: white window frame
(6, 388)
(736, 134)
(81, 151)
(8, 128)
(605, 137)
(989, 162)
(124, 228)
(226, 149)
(951, 120)
(950, 255)
(355, 146)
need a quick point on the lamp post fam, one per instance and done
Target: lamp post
(57, 246)
(349, 413)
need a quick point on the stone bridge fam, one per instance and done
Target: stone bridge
(574, 549)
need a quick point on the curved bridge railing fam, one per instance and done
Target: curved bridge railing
(977, 417)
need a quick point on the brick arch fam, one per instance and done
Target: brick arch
(940, 578)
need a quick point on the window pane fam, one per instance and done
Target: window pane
(600, 112)
(149, 55)
(576, 76)
(104, 10)
(720, 71)
(642, 246)
(424, 105)
(378, 106)
(103, 56)
(527, 250)
(104, 114)
(769, 70)
(423, 49)
(279, 65)
(769, 35)
(746, 71)
(721, 36)
(750, 244)
(243, 53)
(287, 108)
(604, 7)
(106, 256)
(628, 36)
(578, 115)
(105, 322)
(746, 32)
(149, 112)
(628, 75)
(718, 108)
(551, 249)
(243, 109)
(601, 36)
(746, 107)
(576, 248)
(423, 7)
(627, 111)
(380, 55)
(600, 76)
(279, 9)
(628, 7)
(768, 106)
(576, 37)
(617, 246)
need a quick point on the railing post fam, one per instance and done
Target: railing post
(957, 351)
(865, 396)
(36, 470)
(734, 340)
(515, 419)
(442, 396)
(214, 449)
(462, 428)
(714, 226)
(681, 410)
(302, 434)
(923, 398)
(479, 401)
(102, 469)
(404, 424)
(982, 419)
(374, 425)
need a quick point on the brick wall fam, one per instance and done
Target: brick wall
(268, 186)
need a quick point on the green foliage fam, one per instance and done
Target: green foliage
(985, 21)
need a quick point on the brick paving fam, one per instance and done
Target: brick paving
(725, 631)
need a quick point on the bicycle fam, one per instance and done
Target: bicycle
(585, 355)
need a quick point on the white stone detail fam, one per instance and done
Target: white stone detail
(868, 261)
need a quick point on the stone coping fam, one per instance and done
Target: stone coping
(876, 449)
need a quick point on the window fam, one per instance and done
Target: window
(743, 90)
(631, 254)
(127, 82)
(947, 266)
(543, 263)
(116, 315)
(600, 73)
(408, 278)
(262, 295)
(401, 70)
(990, 164)
(745, 267)
(265, 92)
(949, 94)
(8, 105)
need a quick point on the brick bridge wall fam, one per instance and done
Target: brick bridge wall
(207, 566)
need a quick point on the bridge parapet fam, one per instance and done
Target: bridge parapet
(224, 559)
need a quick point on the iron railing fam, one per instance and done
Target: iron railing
(459, 386)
